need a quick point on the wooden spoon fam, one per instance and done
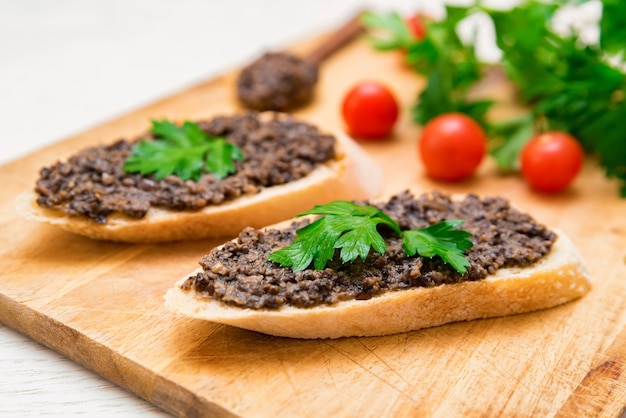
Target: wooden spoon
(282, 81)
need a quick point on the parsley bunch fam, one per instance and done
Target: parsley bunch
(450, 66)
(353, 229)
(566, 84)
(185, 151)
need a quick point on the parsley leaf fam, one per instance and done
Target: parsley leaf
(391, 30)
(451, 67)
(345, 226)
(441, 96)
(440, 239)
(185, 151)
(347, 209)
(613, 26)
(221, 157)
(353, 229)
(508, 138)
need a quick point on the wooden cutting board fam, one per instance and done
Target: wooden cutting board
(100, 304)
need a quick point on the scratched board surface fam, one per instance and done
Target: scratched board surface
(101, 304)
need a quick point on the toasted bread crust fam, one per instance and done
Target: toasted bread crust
(351, 175)
(559, 277)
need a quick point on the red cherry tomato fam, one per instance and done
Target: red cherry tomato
(550, 161)
(369, 110)
(416, 25)
(452, 146)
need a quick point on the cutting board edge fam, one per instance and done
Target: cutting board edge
(109, 364)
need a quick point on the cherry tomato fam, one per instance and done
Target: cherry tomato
(452, 146)
(550, 161)
(369, 110)
(416, 25)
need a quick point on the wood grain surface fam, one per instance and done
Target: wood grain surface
(101, 304)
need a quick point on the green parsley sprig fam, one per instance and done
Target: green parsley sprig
(442, 239)
(450, 65)
(567, 84)
(185, 151)
(353, 229)
(394, 32)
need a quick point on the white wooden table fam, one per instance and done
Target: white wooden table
(68, 65)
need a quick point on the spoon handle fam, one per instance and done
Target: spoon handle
(337, 39)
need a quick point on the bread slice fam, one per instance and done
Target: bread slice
(558, 277)
(352, 174)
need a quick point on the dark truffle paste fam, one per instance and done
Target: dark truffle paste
(276, 150)
(277, 81)
(239, 274)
